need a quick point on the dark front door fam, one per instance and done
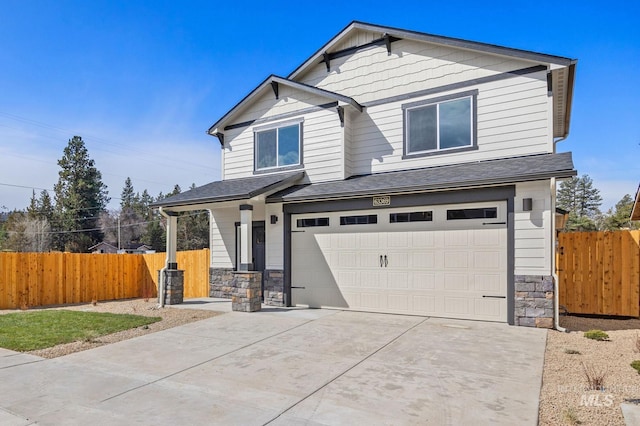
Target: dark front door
(259, 249)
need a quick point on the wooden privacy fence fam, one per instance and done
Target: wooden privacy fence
(39, 279)
(599, 272)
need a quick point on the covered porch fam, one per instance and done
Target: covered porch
(240, 225)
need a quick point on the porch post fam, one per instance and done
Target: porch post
(172, 241)
(246, 249)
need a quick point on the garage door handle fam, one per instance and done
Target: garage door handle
(385, 261)
(494, 223)
(381, 262)
(293, 286)
(495, 297)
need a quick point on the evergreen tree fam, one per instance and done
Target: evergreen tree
(620, 218)
(41, 208)
(127, 198)
(582, 200)
(80, 198)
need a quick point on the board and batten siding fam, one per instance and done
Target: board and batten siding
(512, 120)
(533, 230)
(371, 74)
(322, 145)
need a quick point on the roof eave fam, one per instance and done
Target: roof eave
(563, 174)
(214, 130)
(434, 39)
(635, 211)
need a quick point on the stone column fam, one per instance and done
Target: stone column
(246, 293)
(246, 239)
(173, 286)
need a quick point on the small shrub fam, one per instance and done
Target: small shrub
(571, 417)
(596, 335)
(636, 365)
(595, 377)
(572, 352)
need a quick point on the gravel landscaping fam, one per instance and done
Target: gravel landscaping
(565, 398)
(171, 317)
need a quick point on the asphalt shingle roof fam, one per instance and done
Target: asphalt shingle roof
(490, 172)
(230, 190)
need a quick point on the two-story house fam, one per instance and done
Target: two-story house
(399, 172)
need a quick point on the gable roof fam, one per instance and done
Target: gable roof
(429, 38)
(104, 243)
(231, 190)
(268, 84)
(562, 71)
(635, 210)
(466, 175)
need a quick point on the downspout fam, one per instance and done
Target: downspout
(556, 279)
(163, 271)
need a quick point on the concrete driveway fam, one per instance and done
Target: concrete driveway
(287, 367)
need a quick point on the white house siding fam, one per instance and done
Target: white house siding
(512, 120)
(274, 237)
(371, 74)
(321, 150)
(223, 233)
(348, 143)
(533, 229)
(222, 237)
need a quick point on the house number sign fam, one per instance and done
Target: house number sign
(380, 201)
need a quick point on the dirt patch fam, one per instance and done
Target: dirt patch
(565, 397)
(171, 317)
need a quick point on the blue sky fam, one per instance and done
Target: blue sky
(141, 81)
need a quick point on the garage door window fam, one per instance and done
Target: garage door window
(358, 220)
(411, 217)
(312, 222)
(482, 213)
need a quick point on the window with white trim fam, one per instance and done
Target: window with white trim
(278, 147)
(440, 125)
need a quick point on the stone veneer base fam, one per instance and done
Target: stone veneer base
(274, 287)
(247, 293)
(534, 304)
(173, 286)
(220, 282)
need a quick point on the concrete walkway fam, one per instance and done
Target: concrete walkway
(287, 367)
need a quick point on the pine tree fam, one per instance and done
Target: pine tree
(620, 216)
(80, 197)
(127, 198)
(582, 200)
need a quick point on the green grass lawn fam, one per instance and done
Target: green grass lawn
(27, 331)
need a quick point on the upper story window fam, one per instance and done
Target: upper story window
(277, 147)
(440, 125)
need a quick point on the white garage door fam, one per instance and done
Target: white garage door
(447, 261)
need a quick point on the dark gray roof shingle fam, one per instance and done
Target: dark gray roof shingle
(490, 172)
(230, 190)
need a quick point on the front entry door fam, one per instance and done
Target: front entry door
(258, 244)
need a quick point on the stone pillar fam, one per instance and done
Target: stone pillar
(173, 286)
(246, 291)
(534, 305)
(274, 287)
(246, 239)
(220, 282)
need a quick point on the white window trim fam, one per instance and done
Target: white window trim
(471, 95)
(272, 126)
